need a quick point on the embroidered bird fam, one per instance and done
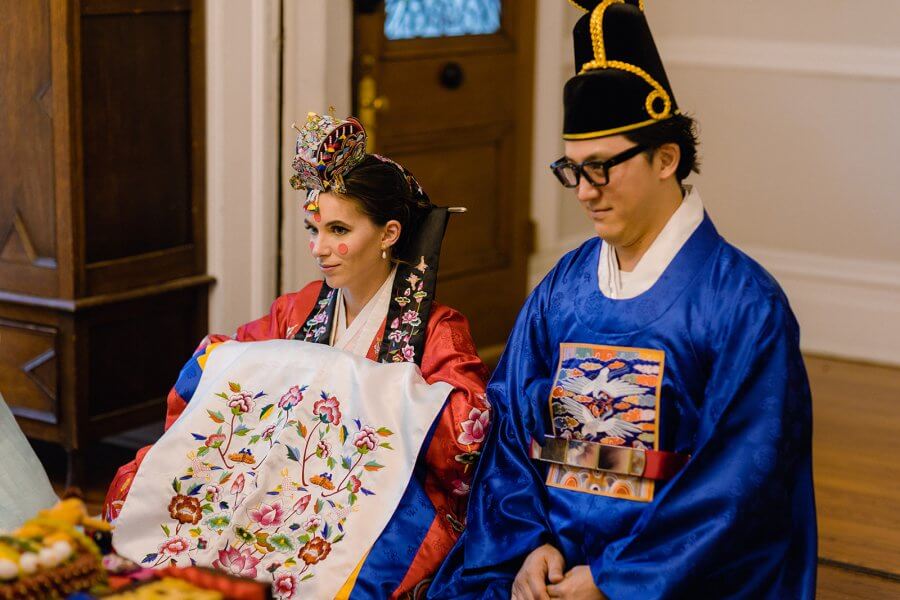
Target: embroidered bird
(595, 426)
(602, 384)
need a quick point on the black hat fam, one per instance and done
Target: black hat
(620, 83)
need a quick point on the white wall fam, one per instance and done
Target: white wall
(242, 78)
(797, 104)
(247, 143)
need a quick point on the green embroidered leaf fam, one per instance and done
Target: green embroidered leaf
(302, 539)
(176, 485)
(318, 508)
(234, 387)
(372, 466)
(202, 450)
(337, 538)
(225, 478)
(207, 508)
(165, 529)
(254, 439)
(331, 462)
(291, 562)
(216, 416)
(352, 499)
(307, 576)
(345, 462)
(195, 532)
(242, 430)
(222, 395)
(385, 432)
(385, 445)
(293, 453)
(265, 412)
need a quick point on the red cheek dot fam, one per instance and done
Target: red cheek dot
(312, 245)
(343, 249)
(317, 217)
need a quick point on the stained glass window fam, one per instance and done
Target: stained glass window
(405, 19)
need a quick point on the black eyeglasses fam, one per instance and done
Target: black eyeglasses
(596, 171)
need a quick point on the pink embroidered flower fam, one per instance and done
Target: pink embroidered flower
(285, 585)
(409, 353)
(174, 546)
(314, 522)
(215, 440)
(241, 402)
(365, 438)
(329, 410)
(291, 399)
(268, 432)
(323, 450)
(240, 564)
(238, 485)
(409, 316)
(301, 504)
(212, 493)
(460, 487)
(396, 335)
(267, 514)
(354, 484)
(475, 428)
(395, 323)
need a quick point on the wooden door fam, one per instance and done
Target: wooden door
(456, 110)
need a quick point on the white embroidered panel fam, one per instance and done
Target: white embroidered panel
(285, 466)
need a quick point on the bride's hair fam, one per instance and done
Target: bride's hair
(385, 192)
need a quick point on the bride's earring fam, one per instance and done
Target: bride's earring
(384, 254)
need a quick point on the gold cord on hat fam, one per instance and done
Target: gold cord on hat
(600, 62)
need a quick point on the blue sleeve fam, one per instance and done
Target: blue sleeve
(739, 520)
(507, 516)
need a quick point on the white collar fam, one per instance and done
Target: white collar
(357, 338)
(619, 285)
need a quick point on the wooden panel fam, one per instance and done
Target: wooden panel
(856, 439)
(137, 348)
(27, 209)
(479, 240)
(136, 271)
(485, 97)
(137, 136)
(28, 370)
(835, 583)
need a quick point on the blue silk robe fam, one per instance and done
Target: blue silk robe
(738, 521)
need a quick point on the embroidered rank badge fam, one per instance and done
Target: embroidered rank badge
(609, 395)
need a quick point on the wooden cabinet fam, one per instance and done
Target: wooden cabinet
(103, 285)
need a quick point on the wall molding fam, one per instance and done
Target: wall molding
(847, 308)
(812, 58)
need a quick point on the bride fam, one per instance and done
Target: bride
(376, 238)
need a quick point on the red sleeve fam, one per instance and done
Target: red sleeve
(287, 314)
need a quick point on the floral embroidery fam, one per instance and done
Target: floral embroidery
(405, 327)
(297, 523)
(315, 326)
(475, 428)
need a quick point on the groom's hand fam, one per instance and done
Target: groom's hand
(543, 564)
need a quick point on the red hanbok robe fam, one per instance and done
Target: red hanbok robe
(449, 356)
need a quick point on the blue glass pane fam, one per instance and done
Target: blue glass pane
(436, 18)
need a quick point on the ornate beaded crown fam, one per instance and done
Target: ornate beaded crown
(620, 83)
(327, 149)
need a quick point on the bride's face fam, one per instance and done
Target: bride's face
(347, 244)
